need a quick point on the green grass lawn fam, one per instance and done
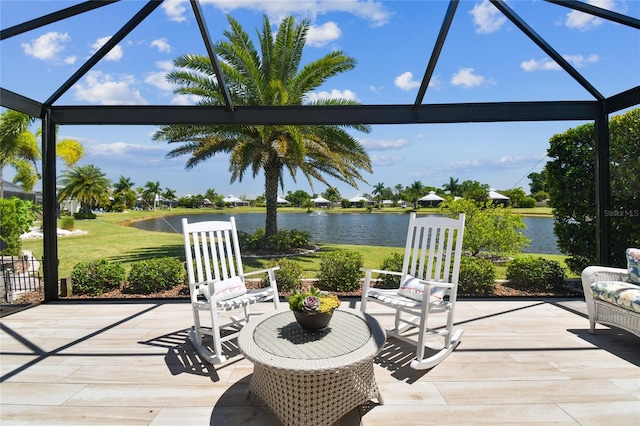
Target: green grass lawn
(109, 238)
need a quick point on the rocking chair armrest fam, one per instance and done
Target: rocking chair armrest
(195, 290)
(436, 283)
(261, 271)
(381, 271)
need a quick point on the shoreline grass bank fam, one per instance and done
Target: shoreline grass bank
(111, 237)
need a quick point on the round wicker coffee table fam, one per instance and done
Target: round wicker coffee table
(312, 378)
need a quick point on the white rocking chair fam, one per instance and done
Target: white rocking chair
(428, 285)
(217, 284)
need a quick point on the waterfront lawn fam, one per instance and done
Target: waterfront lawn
(109, 238)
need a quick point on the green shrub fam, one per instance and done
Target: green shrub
(287, 277)
(283, 240)
(340, 271)
(152, 275)
(390, 263)
(290, 239)
(84, 216)
(477, 276)
(66, 222)
(541, 196)
(527, 202)
(535, 273)
(251, 241)
(96, 277)
(16, 217)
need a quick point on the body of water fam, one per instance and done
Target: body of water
(388, 230)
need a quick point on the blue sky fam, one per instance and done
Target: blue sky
(484, 59)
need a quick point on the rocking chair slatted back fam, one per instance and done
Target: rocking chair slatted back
(430, 243)
(215, 253)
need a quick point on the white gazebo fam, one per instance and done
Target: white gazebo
(230, 199)
(321, 202)
(358, 199)
(430, 200)
(498, 198)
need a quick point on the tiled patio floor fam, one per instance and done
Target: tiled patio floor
(520, 362)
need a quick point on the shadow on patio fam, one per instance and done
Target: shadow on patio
(130, 362)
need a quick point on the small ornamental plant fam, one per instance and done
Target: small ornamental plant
(313, 301)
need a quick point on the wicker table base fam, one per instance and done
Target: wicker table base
(313, 378)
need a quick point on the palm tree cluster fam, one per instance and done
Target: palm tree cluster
(19, 149)
(270, 75)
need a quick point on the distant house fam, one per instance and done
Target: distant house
(431, 200)
(234, 201)
(12, 190)
(359, 200)
(498, 198)
(321, 202)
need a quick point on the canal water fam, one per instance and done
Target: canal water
(359, 229)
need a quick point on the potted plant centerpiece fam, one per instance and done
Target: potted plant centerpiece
(313, 309)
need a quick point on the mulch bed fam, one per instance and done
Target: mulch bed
(182, 291)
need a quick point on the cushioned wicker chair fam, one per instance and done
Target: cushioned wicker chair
(428, 286)
(217, 283)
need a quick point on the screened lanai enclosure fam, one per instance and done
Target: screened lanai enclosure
(592, 106)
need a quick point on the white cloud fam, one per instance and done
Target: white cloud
(370, 10)
(384, 160)
(580, 61)
(505, 162)
(406, 82)
(334, 94)
(383, 144)
(114, 54)
(123, 149)
(486, 17)
(465, 77)
(159, 78)
(319, 36)
(185, 100)
(540, 65)
(547, 64)
(70, 60)
(101, 88)
(175, 10)
(583, 21)
(162, 45)
(47, 46)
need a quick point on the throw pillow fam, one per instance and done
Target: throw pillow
(227, 289)
(633, 265)
(413, 288)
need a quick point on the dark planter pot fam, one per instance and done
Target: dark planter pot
(312, 321)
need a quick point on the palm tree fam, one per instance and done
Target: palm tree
(150, 193)
(269, 76)
(170, 195)
(124, 193)
(18, 148)
(332, 194)
(87, 184)
(377, 191)
(453, 186)
(415, 192)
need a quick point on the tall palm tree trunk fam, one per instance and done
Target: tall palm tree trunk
(271, 179)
